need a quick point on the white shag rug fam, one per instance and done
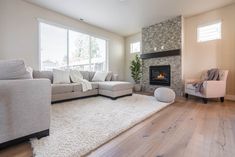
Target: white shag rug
(80, 126)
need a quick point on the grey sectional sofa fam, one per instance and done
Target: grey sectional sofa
(25, 101)
(111, 87)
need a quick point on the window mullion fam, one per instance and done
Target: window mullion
(90, 53)
(67, 48)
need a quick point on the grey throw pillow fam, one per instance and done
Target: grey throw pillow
(109, 76)
(85, 75)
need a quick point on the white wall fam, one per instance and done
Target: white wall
(130, 56)
(19, 33)
(218, 53)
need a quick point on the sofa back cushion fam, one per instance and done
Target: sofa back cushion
(91, 75)
(85, 75)
(43, 74)
(13, 69)
(109, 76)
(88, 75)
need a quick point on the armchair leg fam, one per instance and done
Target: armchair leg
(186, 95)
(222, 99)
(205, 100)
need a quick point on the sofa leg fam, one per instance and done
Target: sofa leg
(114, 98)
(186, 95)
(205, 100)
(43, 134)
(222, 99)
(24, 138)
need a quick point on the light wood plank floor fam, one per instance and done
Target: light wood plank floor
(184, 129)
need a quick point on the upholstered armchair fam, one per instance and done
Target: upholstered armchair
(211, 88)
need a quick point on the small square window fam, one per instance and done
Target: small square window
(209, 32)
(135, 47)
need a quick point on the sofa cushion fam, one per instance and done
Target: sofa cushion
(85, 75)
(13, 69)
(78, 87)
(43, 74)
(94, 85)
(115, 85)
(109, 76)
(62, 88)
(91, 75)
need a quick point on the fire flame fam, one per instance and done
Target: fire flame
(161, 76)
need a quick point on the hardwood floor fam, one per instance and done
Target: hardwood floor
(184, 129)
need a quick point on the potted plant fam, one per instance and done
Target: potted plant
(136, 72)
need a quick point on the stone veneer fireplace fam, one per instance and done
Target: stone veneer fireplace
(158, 41)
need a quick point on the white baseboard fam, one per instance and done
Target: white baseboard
(230, 97)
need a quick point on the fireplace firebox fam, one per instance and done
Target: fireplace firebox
(160, 75)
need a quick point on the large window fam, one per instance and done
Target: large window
(64, 48)
(209, 32)
(79, 50)
(53, 47)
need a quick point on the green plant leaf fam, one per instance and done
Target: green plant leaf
(135, 68)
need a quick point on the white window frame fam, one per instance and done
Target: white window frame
(131, 47)
(208, 24)
(72, 29)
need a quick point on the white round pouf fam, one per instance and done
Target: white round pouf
(164, 94)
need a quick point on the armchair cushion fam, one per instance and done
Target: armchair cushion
(190, 86)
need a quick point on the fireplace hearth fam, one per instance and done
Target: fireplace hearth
(160, 75)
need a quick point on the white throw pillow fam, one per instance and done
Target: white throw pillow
(99, 76)
(61, 76)
(75, 75)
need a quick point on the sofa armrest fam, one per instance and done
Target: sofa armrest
(24, 107)
(214, 89)
(114, 77)
(189, 81)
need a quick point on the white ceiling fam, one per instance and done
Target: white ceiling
(126, 17)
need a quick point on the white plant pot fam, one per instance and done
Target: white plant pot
(137, 87)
